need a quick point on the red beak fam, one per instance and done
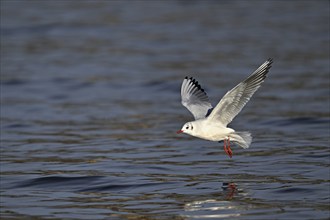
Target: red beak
(179, 131)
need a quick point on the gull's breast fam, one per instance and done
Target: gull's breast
(212, 132)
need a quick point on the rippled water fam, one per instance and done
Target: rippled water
(90, 104)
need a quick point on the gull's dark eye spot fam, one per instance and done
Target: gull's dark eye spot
(192, 127)
(187, 127)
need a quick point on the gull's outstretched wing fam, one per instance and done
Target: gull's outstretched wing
(194, 98)
(234, 100)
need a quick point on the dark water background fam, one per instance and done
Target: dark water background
(90, 104)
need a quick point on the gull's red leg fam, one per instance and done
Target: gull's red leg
(224, 146)
(230, 152)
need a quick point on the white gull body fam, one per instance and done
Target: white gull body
(211, 123)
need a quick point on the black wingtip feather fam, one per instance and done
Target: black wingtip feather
(195, 83)
(270, 60)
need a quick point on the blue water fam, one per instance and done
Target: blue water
(90, 102)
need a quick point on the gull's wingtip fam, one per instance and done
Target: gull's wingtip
(270, 60)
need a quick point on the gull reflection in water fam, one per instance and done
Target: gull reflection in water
(231, 189)
(215, 208)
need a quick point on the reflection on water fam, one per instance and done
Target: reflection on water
(197, 209)
(90, 102)
(211, 208)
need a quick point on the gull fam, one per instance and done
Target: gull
(211, 123)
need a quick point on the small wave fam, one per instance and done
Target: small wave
(297, 121)
(84, 184)
(295, 190)
(118, 187)
(57, 180)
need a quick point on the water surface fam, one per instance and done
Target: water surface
(90, 104)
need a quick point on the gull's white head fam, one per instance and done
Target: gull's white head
(187, 128)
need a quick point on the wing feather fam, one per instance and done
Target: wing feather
(235, 99)
(194, 98)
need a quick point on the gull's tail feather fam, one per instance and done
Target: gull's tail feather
(243, 138)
